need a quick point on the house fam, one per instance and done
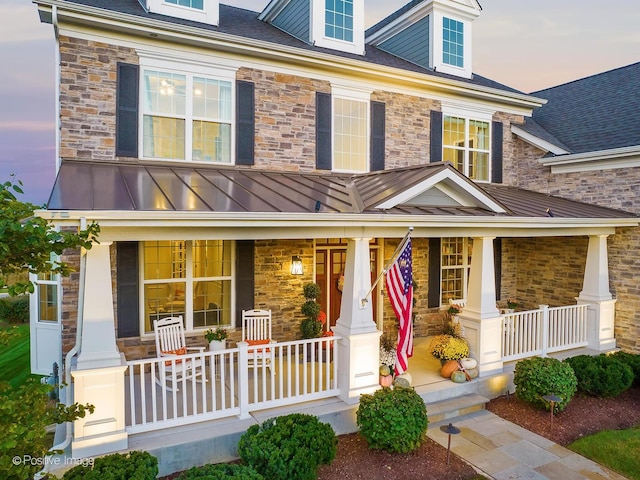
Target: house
(216, 145)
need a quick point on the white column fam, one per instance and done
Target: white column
(596, 294)
(359, 346)
(480, 317)
(99, 373)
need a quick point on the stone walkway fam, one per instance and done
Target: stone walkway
(502, 450)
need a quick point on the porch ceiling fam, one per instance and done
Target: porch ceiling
(168, 190)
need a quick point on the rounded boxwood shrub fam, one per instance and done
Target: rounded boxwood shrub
(394, 420)
(633, 360)
(602, 375)
(222, 471)
(291, 447)
(117, 466)
(536, 377)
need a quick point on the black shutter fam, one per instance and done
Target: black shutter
(245, 122)
(434, 273)
(323, 131)
(127, 110)
(497, 265)
(127, 284)
(436, 137)
(377, 136)
(245, 254)
(496, 152)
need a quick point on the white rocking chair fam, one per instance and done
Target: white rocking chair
(171, 345)
(256, 330)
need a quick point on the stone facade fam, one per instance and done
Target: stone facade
(88, 72)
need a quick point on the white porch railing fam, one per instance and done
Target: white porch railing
(229, 384)
(543, 331)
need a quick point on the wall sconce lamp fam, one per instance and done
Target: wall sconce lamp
(296, 265)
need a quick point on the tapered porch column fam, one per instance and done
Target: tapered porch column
(359, 346)
(480, 317)
(99, 373)
(596, 294)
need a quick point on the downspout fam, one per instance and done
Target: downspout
(67, 367)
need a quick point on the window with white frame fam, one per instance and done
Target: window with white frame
(186, 116)
(189, 278)
(47, 290)
(466, 144)
(350, 131)
(339, 19)
(455, 263)
(452, 42)
(196, 4)
(205, 11)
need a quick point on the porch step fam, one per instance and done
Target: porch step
(455, 407)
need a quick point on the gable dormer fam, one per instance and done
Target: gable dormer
(335, 24)
(434, 34)
(205, 11)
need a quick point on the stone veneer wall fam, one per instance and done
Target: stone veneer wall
(613, 188)
(88, 72)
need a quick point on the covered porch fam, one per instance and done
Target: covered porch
(435, 200)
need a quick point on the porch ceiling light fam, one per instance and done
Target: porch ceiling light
(296, 265)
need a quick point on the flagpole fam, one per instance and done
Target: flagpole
(364, 300)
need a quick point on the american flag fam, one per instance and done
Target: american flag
(400, 289)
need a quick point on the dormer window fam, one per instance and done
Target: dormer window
(452, 42)
(205, 11)
(339, 19)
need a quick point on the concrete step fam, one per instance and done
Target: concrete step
(455, 407)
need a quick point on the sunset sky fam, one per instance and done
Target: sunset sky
(528, 45)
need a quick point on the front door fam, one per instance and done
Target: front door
(330, 263)
(45, 336)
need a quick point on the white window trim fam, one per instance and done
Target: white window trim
(468, 113)
(189, 65)
(466, 266)
(188, 280)
(317, 30)
(436, 47)
(358, 95)
(210, 13)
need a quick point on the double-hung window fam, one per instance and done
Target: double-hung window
(452, 42)
(350, 131)
(186, 116)
(189, 278)
(455, 262)
(466, 144)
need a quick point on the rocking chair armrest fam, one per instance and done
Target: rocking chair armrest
(198, 349)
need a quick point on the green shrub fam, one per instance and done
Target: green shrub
(118, 466)
(394, 420)
(291, 447)
(601, 376)
(15, 309)
(536, 377)
(222, 471)
(633, 360)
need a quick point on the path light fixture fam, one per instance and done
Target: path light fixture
(449, 430)
(552, 399)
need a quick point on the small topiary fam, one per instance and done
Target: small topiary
(602, 375)
(536, 377)
(291, 447)
(222, 471)
(394, 420)
(633, 360)
(118, 466)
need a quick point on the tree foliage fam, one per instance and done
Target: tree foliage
(27, 242)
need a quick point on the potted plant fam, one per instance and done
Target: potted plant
(512, 305)
(450, 344)
(387, 359)
(311, 326)
(216, 338)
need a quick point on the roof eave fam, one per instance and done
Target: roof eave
(87, 15)
(538, 142)
(624, 157)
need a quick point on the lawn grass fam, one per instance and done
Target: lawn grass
(618, 450)
(14, 357)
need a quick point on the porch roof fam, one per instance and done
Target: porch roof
(435, 190)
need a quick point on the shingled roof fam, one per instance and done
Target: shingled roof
(596, 113)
